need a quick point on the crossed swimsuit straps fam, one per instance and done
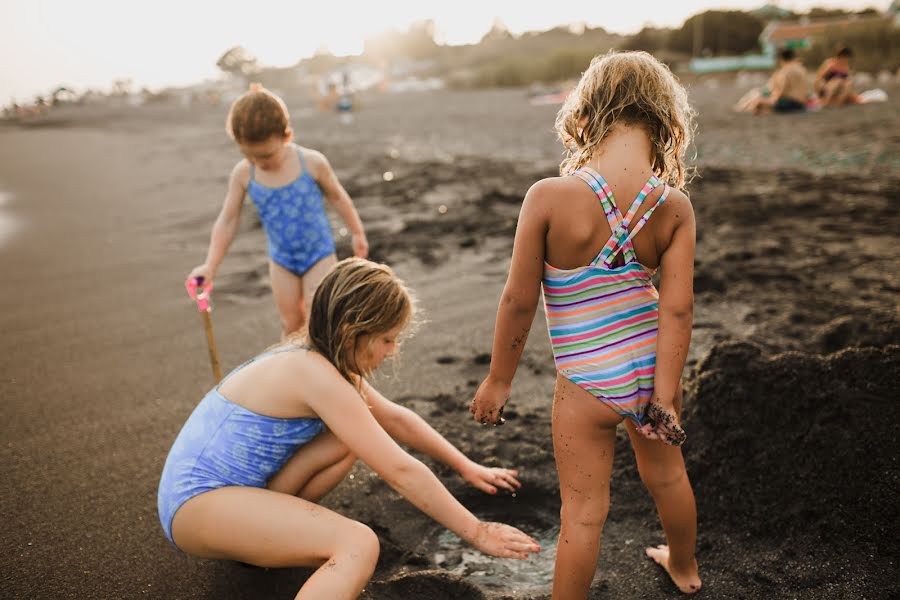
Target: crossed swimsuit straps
(603, 318)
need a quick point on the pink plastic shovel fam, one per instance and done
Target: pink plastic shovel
(200, 294)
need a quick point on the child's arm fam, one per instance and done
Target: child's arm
(676, 315)
(411, 430)
(226, 225)
(340, 199)
(345, 413)
(517, 305)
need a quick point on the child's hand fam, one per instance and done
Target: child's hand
(503, 541)
(488, 479)
(202, 274)
(360, 245)
(662, 424)
(487, 407)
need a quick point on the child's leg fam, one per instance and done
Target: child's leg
(315, 469)
(584, 437)
(313, 277)
(270, 529)
(662, 470)
(287, 288)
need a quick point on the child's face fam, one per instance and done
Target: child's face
(372, 350)
(267, 155)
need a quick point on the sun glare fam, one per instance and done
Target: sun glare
(176, 43)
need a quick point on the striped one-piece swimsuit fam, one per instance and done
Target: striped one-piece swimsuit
(603, 319)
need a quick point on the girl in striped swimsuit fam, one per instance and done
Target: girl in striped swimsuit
(619, 345)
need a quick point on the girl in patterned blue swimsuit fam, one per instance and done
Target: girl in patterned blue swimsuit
(245, 475)
(287, 184)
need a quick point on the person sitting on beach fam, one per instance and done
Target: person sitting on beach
(245, 474)
(832, 83)
(286, 183)
(787, 90)
(618, 344)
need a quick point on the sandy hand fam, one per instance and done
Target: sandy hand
(488, 479)
(503, 541)
(662, 424)
(487, 406)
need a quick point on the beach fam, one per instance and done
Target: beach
(790, 387)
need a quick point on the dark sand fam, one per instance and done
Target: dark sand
(791, 401)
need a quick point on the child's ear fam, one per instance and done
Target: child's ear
(288, 135)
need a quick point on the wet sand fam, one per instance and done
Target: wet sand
(789, 388)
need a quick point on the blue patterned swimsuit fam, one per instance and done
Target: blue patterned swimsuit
(224, 444)
(294, 218)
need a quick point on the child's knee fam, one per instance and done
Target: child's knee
(584, 512)
(365, 545)
(661, 480)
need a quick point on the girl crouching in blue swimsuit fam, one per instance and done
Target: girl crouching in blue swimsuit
(244, 477)
(287, 183)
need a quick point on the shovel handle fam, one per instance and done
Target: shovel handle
(211, 344)
(200, 294)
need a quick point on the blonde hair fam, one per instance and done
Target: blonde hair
(256, 116)
(358, 297)
(633, 88)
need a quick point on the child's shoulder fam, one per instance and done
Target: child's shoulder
(241, 169)
(549, 188)
(310, 155)
(677, 199)
(676, 209)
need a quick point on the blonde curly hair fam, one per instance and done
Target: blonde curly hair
(633, 88)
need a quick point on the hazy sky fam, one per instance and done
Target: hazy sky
(88, 43)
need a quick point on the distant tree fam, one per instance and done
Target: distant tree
(718, 32)
(415, 43)
(122, 87)
(238, 61)
(419, 42)
(826, 13)
(497, 32)
(322, 61)
(875, 45)
(649, 39)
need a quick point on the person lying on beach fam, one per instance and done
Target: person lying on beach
(832, 84)
(245, 474)
(591, 240)
(787, 90)
(287, 183)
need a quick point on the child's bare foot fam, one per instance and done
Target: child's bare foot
(688, 582)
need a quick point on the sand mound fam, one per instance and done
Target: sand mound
(800, 452)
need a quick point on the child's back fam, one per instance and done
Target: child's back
(591, 240)
(574, 233)
(601, 306)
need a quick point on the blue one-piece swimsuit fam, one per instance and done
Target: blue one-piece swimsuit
(224, 444)
(295, 221)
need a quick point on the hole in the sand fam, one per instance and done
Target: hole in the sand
(493, 573)
(534, 511)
